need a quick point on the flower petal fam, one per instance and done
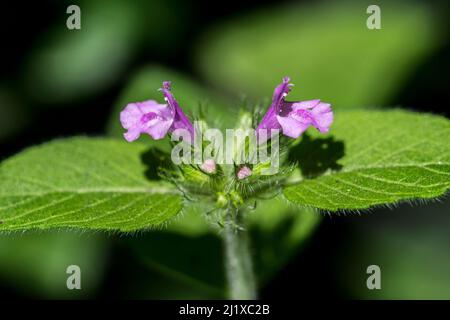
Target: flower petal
(269, 121)
(180, 119)
(322, 116)
(304, 105)
(151, 106)
(132, 135)
(133, 112)
(146, 117)
(292, 127)
(159, 129)
(280, 93)
(130, 116)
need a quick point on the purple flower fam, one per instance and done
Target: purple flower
(153, 118)
(293, 118)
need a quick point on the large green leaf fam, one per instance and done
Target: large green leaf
(83, 183)
(373, 158)
(326, 48)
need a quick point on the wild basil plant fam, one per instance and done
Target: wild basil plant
(347, 161)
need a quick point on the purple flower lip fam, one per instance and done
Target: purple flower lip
(153, 118)
(293, 118)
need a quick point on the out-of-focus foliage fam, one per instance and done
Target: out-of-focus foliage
(12, 114)
(278, 231)
(326, 48)
(35, 265)
(72, 64)
(409, 245)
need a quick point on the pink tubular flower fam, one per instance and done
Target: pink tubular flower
(293, 118)
(153, 118)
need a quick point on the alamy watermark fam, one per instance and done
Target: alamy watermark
(73, 21)
(374, 20)
(374, 280)
(237, 146)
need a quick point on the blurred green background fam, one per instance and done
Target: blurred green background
(56, 82)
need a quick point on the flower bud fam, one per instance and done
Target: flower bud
(243, 173)
(208, 166)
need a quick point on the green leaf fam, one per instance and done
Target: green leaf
(83, 183)
(144, 85)
(373, 158)
(325, 48)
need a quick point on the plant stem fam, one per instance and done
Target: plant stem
(238, 264)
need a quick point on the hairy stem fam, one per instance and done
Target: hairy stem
(238, 263)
